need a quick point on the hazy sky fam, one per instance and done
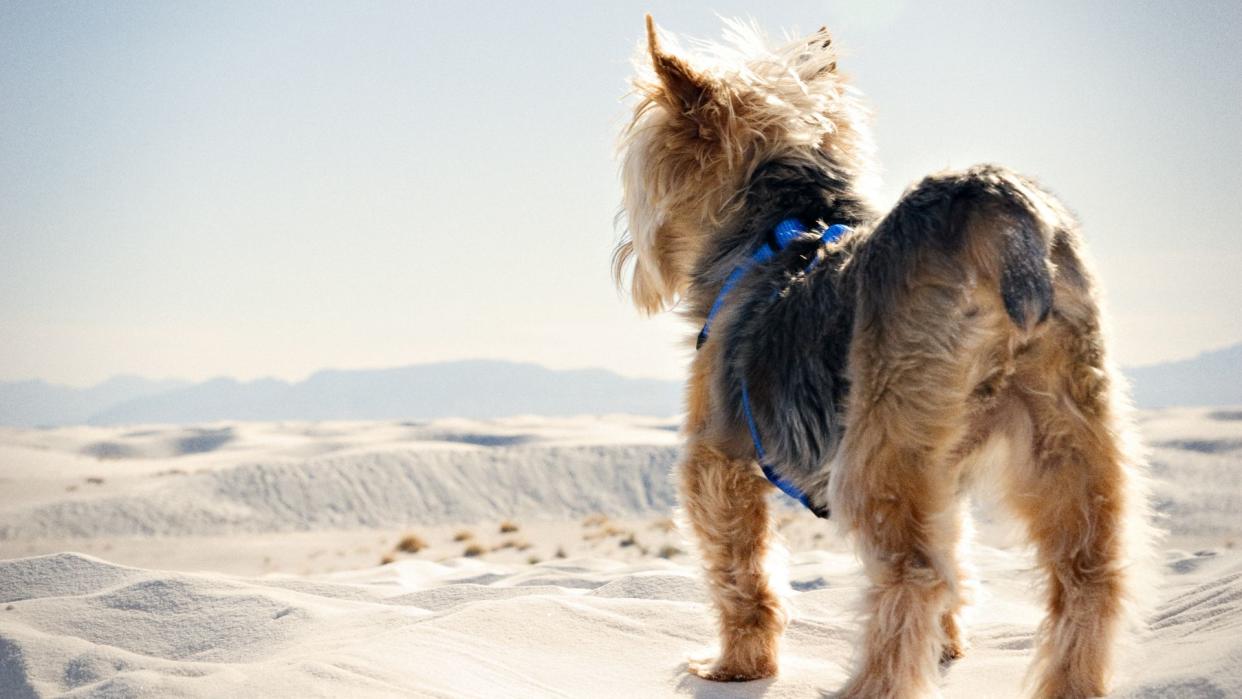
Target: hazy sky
(259, 188)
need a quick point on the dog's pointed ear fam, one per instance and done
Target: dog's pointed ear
(685, 88)
(821, 43)
(822, 37)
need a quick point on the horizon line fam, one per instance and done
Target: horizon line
(463, 360)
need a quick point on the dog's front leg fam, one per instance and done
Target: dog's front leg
(725, 503)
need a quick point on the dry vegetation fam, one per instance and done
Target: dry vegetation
(600, 527)
(517, 543)
(666, 525)
(668, 551)
(649, 538)
(411, 543)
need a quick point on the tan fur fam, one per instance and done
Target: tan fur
(925, 395)
(725, 504)
(697, 134)
(942, 381)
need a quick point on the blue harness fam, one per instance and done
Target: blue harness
(786, 232)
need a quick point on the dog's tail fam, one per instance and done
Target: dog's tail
(1011, 222)
(985, 225)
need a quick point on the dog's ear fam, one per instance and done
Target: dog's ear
(822, 37)
(686, 89)
(820, 57)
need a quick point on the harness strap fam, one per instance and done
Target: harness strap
(770, 473)
(785, 232)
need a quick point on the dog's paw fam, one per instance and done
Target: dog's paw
(716, 669)
(953, 650)
(955, 643)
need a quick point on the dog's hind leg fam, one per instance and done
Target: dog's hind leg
(896, 479)
(725, 502)
(955, 643)
(1072, 493)
(896, 490)
(934, 332)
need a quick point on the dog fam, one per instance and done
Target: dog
(874, 365)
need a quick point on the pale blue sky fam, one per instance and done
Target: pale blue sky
(260, 189)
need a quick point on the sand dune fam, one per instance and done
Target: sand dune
(385, 489)
(610, 619)
(268, 477)
(77, 625)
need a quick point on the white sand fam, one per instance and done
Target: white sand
(280, 505)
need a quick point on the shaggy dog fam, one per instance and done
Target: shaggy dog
(878, 375)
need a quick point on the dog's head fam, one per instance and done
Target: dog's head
(701, 127)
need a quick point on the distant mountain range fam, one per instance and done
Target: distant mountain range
(37, 402)
(1211, 378)
(475, 389)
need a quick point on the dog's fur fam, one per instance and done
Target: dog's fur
(961, 323)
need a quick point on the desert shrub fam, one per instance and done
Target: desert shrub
(508, 527)
(668, 551)
(605, 532)
(519, 544)
(411, 543)
(473, 550)
(463, 535)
